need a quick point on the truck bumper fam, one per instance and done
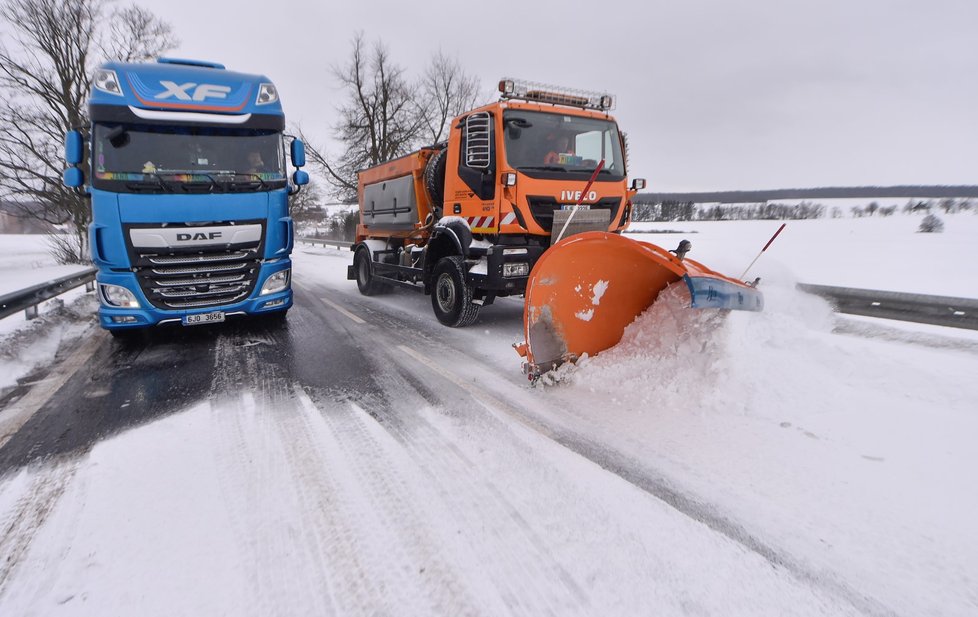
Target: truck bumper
(122, 318)
(497, 261)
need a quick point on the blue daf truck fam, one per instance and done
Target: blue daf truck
(186, 169)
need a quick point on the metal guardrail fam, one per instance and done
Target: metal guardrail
(918, 308)
(326, 242)
(27, 299)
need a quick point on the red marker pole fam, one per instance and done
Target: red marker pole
(764, 249)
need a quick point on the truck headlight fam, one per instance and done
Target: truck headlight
(276, 282)
(114, 295)
(516, 269)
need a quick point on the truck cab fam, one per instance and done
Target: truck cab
(523, 159)
(187, 172)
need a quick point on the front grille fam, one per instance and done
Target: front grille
(542, 208)
(209, 276)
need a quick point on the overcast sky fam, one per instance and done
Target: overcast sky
(714, 95)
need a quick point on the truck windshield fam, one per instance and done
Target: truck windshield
(544, 144)
(147, 158)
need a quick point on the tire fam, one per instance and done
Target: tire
(366, 282)
(451, 296)
(434, 181)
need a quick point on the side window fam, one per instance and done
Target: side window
(477, 160)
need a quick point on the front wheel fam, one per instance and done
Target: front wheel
(451, 296)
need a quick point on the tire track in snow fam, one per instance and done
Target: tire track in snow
(493, 524)
(19, 525)
(312, 531)
(259, 487)
(392, 535)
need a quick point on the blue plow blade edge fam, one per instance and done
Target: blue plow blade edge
(708, 292)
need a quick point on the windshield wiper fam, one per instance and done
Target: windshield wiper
(543, 167)
(233, 181)
(149, 185)
(194, 186)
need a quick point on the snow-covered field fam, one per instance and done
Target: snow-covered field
(25, 260)
(841, 450)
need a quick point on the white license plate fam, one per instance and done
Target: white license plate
(202, 318)
(571, 207)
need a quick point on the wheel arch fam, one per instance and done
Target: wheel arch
(451, 238)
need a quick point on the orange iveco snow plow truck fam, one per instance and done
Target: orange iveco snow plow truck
(528, 196)
(466, 220)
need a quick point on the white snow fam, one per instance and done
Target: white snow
(599, 290)
(841, 448)
(585, 315)
(25, 261)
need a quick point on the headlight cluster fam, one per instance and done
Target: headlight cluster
(276, 282)
(114, 295)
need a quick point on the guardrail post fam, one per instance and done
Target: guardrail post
(31, 312)
(90, 286)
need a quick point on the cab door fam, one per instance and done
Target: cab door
(474, 194)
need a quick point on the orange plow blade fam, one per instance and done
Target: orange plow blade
(586, 289)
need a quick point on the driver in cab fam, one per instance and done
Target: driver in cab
(560, 145)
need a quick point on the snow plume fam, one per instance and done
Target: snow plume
(667, 355)
(671, 351)
(676, 356)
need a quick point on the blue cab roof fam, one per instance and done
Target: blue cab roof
(184, 85)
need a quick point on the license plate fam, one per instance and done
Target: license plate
(202, 318)
(571, 207)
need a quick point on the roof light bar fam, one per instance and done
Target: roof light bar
(556, 95)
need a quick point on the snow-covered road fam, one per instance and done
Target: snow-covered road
(365, 460)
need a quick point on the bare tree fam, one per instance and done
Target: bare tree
(445, 91)
(46, 66)
(306, 205)
(378, 121)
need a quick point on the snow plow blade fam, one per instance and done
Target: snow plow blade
(587, 288)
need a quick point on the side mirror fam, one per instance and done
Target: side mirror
(74, 148)
(299, 155)
(74, 177)
(638, 184)
(300, 178)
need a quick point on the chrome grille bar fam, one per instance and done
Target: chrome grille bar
(198, 270)
(165, 260)
(204, 280)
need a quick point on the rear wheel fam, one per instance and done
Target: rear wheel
(366, 282)
(451, 296)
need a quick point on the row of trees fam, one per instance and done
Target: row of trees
(46, 64)
(690, 211)
(671, 210)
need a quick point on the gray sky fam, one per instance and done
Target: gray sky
(714, 95)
